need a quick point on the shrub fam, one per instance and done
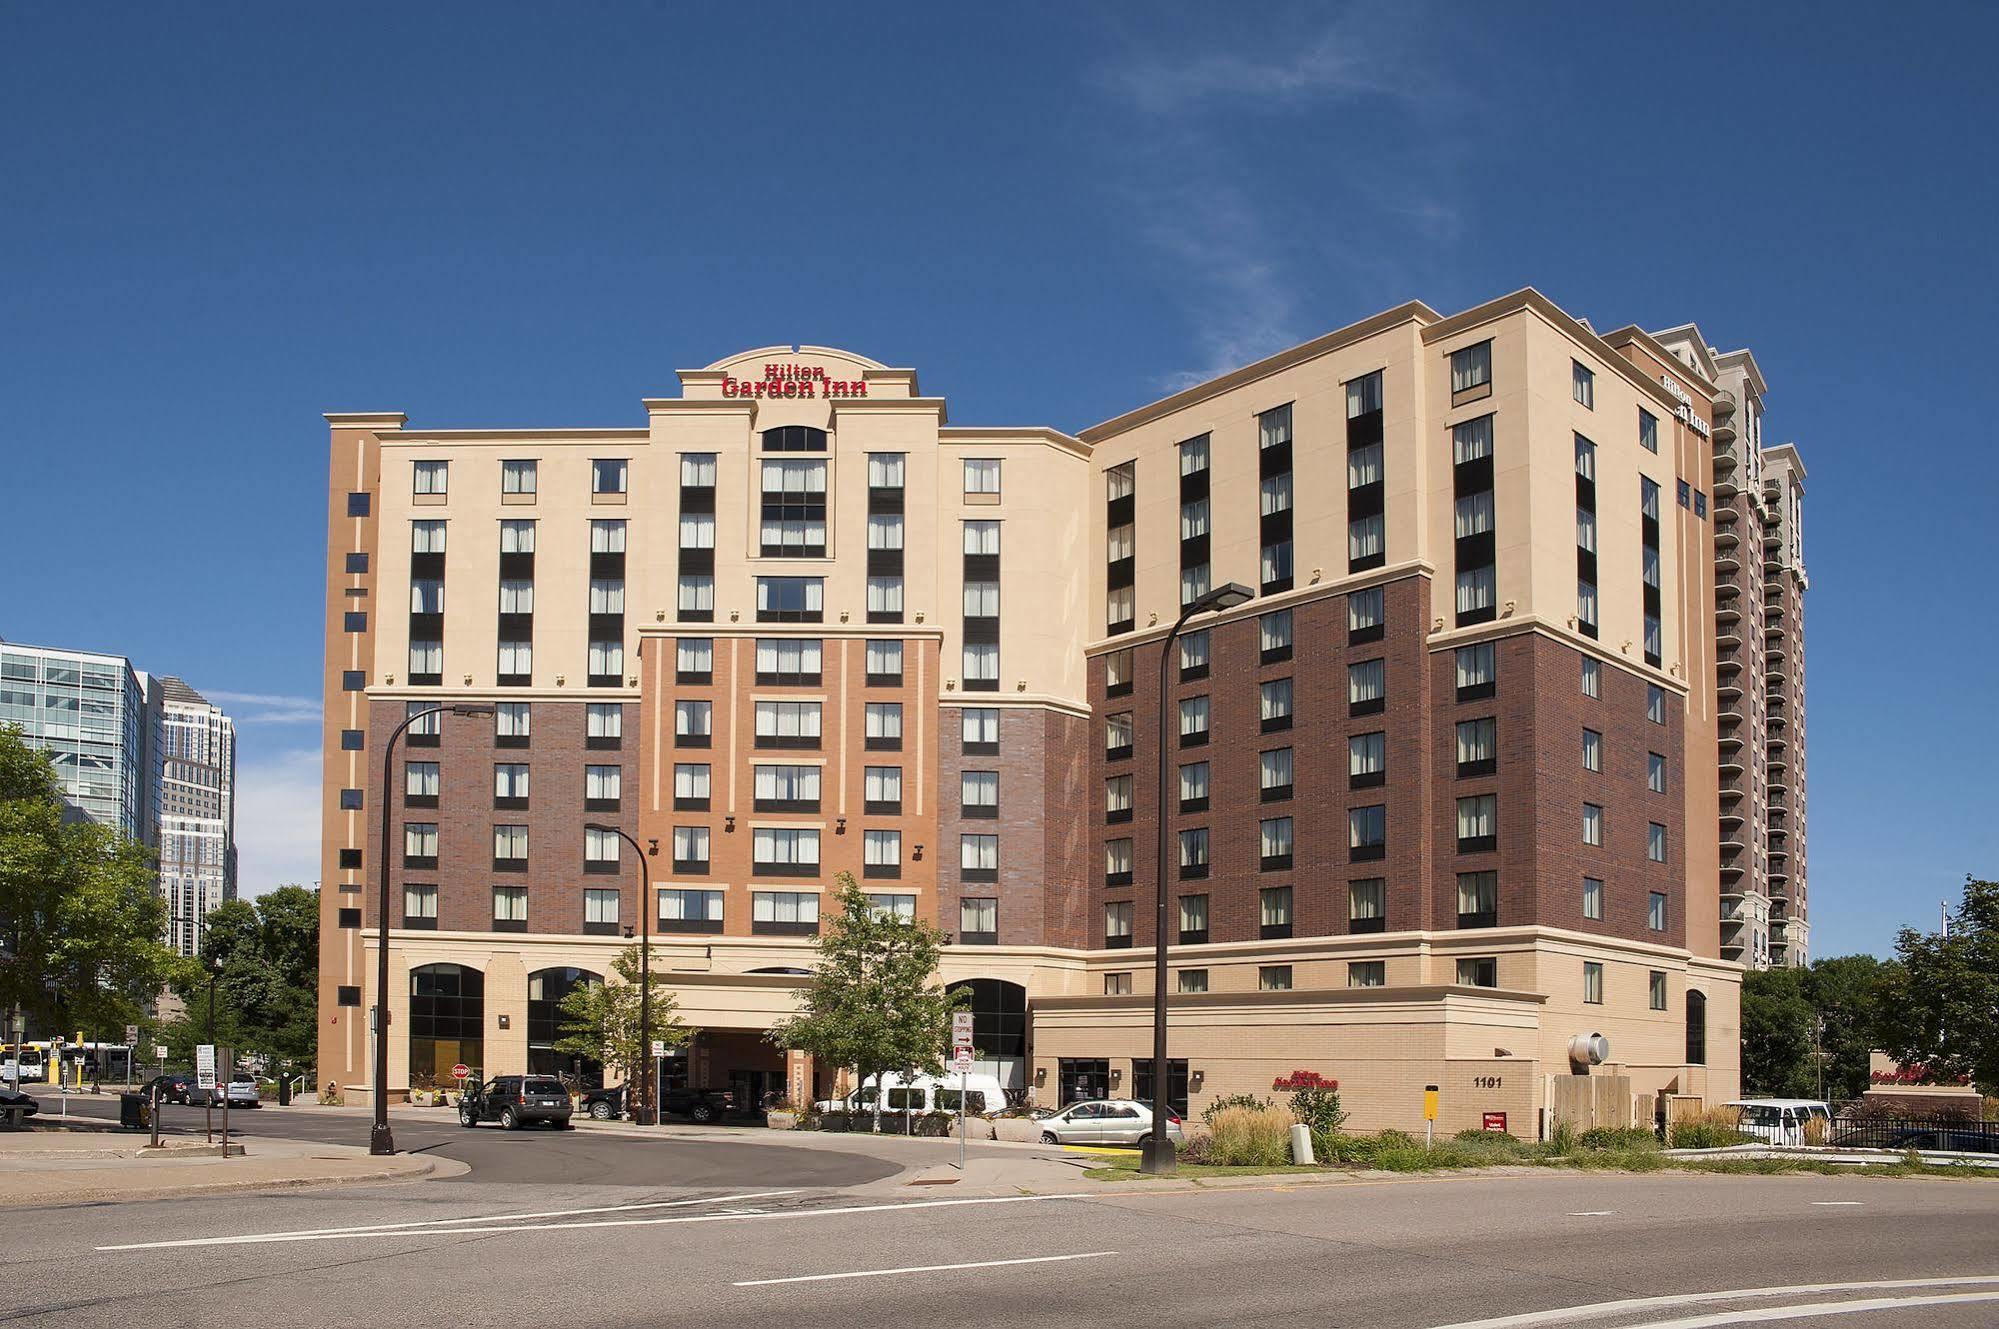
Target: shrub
(1715, 1128)
(1318, 1106)
(1221, 1105)
(1250, 1137)
(1562, 1138)
(1617, 1137)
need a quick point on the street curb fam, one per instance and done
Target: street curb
(430, 1169)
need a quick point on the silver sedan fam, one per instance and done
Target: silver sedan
(1107, 1121)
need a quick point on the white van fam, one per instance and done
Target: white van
(1784, 1120)
(924, 1093)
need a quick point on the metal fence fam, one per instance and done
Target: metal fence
(1958, 1133)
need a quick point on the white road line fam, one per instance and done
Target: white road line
(1592, 1213)
(1838, 1204)
(1816, 1309)
(1606, 1309)
(923, 1269)
(434, 1230)
(489, 1218)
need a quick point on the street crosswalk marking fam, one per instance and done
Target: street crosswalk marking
(1605, 1310)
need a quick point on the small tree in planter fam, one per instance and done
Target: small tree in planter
(874, 1003)
(601, 1020)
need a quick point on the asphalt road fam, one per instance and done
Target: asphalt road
(1402, 1254)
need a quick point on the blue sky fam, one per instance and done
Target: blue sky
(216, 223)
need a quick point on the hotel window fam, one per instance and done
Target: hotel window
(603, 725)
(1471, 368)
(1367, 834)
(1274, 472)
(978, 922)
(358, 504)
(1648, 508)
(1194, 456)
(516, 597)
(1117, 862)
(510, 909)
(885, 531)
(787, 724)
(517, 537)
(607, 663)
(1593, 899)
(1471, 481)
(419, 844)
(1273, 773)
(1274, 844)
(1273, 636)
(517, 477)
(693, 723)
(690, 911)
(978, 730)
(784, 913)
(1478, 899)
(1655, 911)
(607, 595)
(427, 595)
(881, 853)
(1367, 974)
(1655, 772)
(690, 849)
(426, 661)
(1193, 920)
(1583, 384)
(1367, 905)
(516, 662)
(1478, 823)
(1117, 673)
(603, 787)
(1117, 798)
(1276, 567)
(1191, 980)
(1366, 616)
(901, 907)
(696, 598)
(784, 851)
(1117, 923)
(420, 783)
(1366, 532)
(607, 476)
(426, 537)
(513, 724)
(882, 722)
(1655, 703)
(1655, 842)
(982, 476)
(981, 599)
(1592, 983)
(1120, 610)
(789, 662)
(357, 562)
(1586, 561)
(607, 537)
(1593, 824)
(978, 857)
(510, 784)
(1117, 736)
(786, 788)
(885, 599)
(1194, 649)
(1364, 543)
(1367, 688)
(1195, 577)
(1119, 487)
(697, 470)
(1656, 990)
(1367, 760)
(600, 912)
(1193, 787)
(694, 660)
(1273, 978)
(510, 847)
(981, 671)
(794, 438)
(1648, 430)
(1478, 746)
(692, 786)
(419, 905)
(1193, 721)
(1478, 972)
(1477, 669)
(1194, 853)
(882, 791)
(884, 664)
(978, 794)
(793, 509)
(886, 470)
(1592, 678)
(1274, 705)
(431, 477)
(1592, 751)
(791, 599)
(1273, 913)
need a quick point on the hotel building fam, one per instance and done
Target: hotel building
(196, 770)
(1441, 796)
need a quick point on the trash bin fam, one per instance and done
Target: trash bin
(134, 1112)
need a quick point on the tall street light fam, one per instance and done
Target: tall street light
(1158, 1155)
(647, 1112)
(380, 1139)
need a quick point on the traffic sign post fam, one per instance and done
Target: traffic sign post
(1429, 1114)
(961, 1059)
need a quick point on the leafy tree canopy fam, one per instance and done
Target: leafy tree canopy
(1940, 1006)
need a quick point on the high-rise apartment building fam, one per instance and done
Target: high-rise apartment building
(1440, 797)
(196, 773)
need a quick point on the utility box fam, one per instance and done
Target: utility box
(134, 1112)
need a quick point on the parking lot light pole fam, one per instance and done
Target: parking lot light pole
(647, 1113)
(380, 1139)
(1157, 1157)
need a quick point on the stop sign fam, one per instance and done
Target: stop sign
(460, 1071)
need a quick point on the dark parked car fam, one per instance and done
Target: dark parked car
(606, 1104)
(176, 1087)
(698, 1105)
(1966, 1139)
(16, 1108)
(516, 1101)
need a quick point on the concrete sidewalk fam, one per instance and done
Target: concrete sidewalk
(60, 1167)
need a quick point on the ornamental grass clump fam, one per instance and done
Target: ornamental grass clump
(1716, 1128)
(1249, 1137)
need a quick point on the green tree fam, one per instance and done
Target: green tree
(1777, 1020)
(1845, 992)
(262, 954)
(1940, 1005)
(601, 1020)
(80, 908)
(874, 1003)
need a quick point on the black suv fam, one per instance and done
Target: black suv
(516, 1101)
(176, 1087)
(697, 1105)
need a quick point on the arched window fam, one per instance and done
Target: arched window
(447, 1020)
(1696, 1029)
(794, 438)
(546, 989)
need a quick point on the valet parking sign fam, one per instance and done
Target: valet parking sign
(793, 380)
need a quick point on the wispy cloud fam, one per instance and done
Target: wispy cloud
(1341, 60)
(277, 819)
(266, 707)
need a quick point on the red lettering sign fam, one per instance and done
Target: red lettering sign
(793, 380)
(1493, 1121)
(1304, 1080)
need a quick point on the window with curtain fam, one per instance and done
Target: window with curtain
(1274, 771)
(1471, 367)
(1471, 440)
(982, 475)
(1193, 782)
(881, 849)
(1593, 899)
(1367, 900)
(692, 781)
(607, 476)
(517, 477)
(517, 537)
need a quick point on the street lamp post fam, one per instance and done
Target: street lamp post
(380, 1139)
(1158, 1155)
(647, 1113)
